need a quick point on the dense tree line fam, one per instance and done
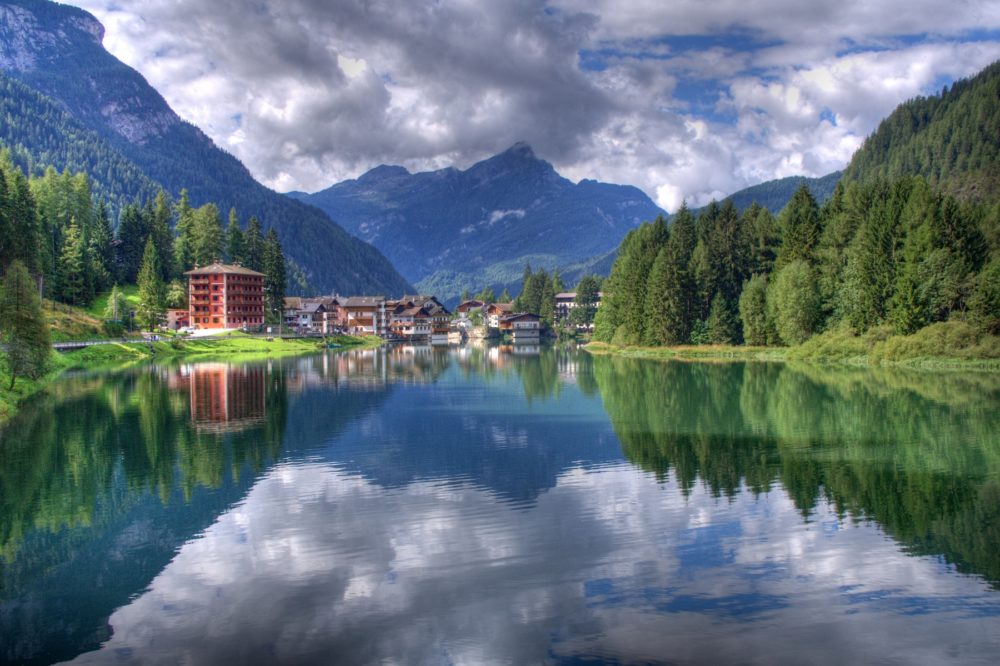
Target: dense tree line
(64, 237)
(886, 253)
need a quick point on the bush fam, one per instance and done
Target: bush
(113, 329)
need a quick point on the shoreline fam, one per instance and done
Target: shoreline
(124, 354)
(943, 347)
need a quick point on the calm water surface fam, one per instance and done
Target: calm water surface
(472, 506)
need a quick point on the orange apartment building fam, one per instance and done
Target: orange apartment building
(225, 296)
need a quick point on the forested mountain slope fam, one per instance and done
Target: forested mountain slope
(951, 139)
(57, 51)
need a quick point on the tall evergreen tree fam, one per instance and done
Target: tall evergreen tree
(208, 236)
(152, 293)
(235, 250)
(74, 269)
(160, 221)
(102, 251)
(723, 326)
(760, 238)
(184, 243)
(588, 293)
(274, 276)
(133, 232)
(23, 329)
(547, 300)
(254, 246)
(21, 236)
(800, 228)
(870, 275)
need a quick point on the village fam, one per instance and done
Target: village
(231, 297)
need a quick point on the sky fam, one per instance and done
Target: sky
(685, 99)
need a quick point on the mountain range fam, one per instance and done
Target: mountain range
(70, 103)
(448, 230)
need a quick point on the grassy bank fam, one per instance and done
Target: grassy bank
(233, 347)
(953, 344)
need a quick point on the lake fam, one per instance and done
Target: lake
(502, 505)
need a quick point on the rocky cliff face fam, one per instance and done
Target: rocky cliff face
(51, 47)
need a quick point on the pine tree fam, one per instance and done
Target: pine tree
(102, 251)
(461, 299)
(800, 228)
(160, 219)
(152, 294)
(588, 292)
(547, 301)
(184, 242)
(23, 329)
(984, 303)
(254, 246)
(487, 296)
(133, 232)
(117, 307)
(23, 238)
(504, 296)
(208, 237)
(723, 325)
(760, 237)
(274, 276)
(234, 237)
(73, 268)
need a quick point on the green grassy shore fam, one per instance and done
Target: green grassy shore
(234, 347)
(946, 345)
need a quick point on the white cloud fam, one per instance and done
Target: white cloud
(307, 93)
(435, 572)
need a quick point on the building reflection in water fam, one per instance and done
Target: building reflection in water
(224, 397)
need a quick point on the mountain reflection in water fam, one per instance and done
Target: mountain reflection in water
(485, 504)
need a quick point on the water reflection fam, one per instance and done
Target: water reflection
(419, 504)
(917, 452)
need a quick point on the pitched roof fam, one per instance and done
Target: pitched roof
(362, 301)
(566, 294)
(222, 268)
(520, 315)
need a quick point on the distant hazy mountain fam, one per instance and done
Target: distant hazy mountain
(774, 194)
(448, 229)
(56, 51)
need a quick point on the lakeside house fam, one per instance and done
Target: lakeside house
(225, 296)
(468, 307)
(565, 304)
(494, 311)
(521, 326)
(365, 315)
